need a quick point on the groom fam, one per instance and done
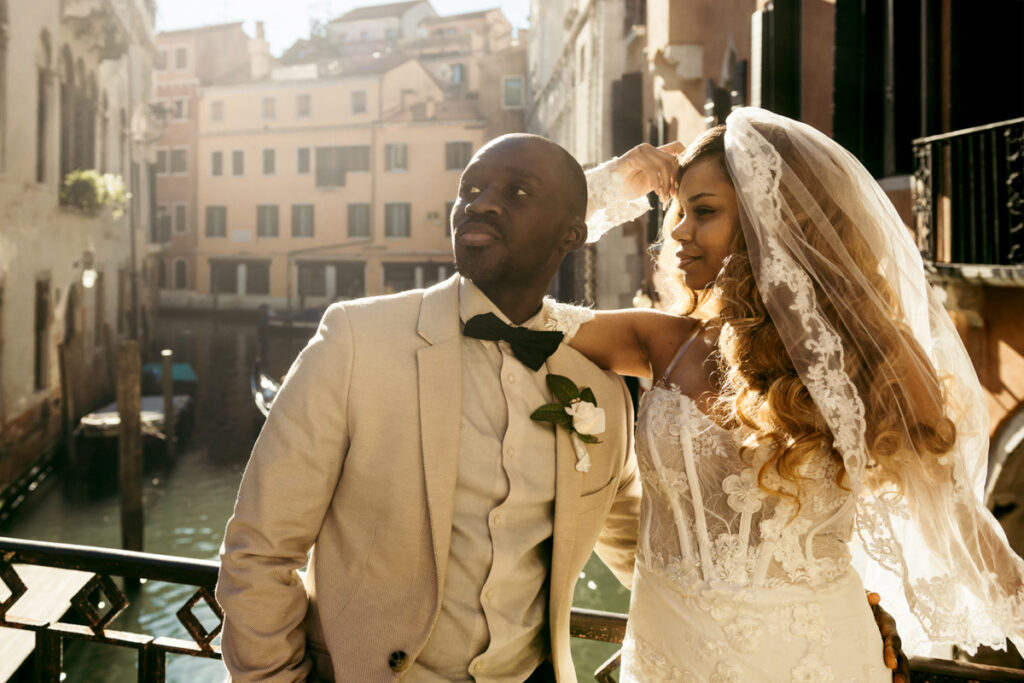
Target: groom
(447, 529)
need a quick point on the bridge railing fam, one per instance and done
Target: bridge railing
(105, 564)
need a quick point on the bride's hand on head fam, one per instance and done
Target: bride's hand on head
(647, 168)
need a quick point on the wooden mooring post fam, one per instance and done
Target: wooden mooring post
(167, 382)
(129, 451)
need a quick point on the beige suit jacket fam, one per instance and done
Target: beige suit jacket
(358, 461)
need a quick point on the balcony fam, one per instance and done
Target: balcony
(968, 202)
(88, 605)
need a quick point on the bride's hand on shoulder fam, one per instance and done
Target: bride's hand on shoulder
(647, 168)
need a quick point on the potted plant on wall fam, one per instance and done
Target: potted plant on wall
(90, 192)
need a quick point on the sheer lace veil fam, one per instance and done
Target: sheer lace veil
(844, 284)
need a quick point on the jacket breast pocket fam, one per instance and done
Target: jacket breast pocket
(594, 499)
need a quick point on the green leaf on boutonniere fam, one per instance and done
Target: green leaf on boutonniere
(552, 412)
(587, 438)
(563, 388)
(588, 395)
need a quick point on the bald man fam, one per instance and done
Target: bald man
(446, 529)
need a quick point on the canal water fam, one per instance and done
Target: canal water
(188, 503)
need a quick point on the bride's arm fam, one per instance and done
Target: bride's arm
(623, 341)
(617, 189)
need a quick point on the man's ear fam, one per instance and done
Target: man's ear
(575, 235)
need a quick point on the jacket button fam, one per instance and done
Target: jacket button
(398, 661)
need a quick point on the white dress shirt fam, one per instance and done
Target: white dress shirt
(493, 620)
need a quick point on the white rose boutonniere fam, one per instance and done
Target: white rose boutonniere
(577, 412)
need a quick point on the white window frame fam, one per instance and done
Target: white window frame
(522, 85)
(263, 111)
(232, 162)
(170, 156)
(298, 97)
(223, 165)
(174, 218)
(404, 168)
(174, 273)
(352, 101)
(263, 162)
(174, 55)
(310, 160)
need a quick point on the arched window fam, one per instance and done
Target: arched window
(66, 70)
(43, 60)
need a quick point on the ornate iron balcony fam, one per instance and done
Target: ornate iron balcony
(104, 564)
(968, 198)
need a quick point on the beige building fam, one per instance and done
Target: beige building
(74, 85)
(186, 61)
(333, 176)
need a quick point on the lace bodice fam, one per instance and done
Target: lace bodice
(707, 522)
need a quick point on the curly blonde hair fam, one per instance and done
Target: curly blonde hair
(757, 383)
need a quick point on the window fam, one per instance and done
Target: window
(181, 58)
(457, 155)
(163, 225)
(179, 160)
(512, 92)
(268, 108)
(312, 279)
(390, 34)
(332, 163)
(180, 218)
(359, 102)
(161, 60)
(302, 220)
(223, 277)
(216, 221)
(161, 273)
(216, 163)
(257, 277)
(237, 162)
(266, 220)
(396, 219)
(217, 110)
(269, 161)
(302, 161)
(179, 108)
(303, 106)
(42, 105)
(358, 220)
(180, 274)
(448, 206)
(457, 74)
(349, 280)
(161, 161)
(42, 337)
(395, 157)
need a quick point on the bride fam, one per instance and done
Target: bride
(811, 397)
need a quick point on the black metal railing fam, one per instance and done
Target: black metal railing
(105, 564)
(968, 195)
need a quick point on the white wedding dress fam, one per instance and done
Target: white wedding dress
(732, 584)
(736, 584)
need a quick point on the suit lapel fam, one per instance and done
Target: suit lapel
(440, 398)
(568, 484)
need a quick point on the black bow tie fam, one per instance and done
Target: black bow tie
(529, 346)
